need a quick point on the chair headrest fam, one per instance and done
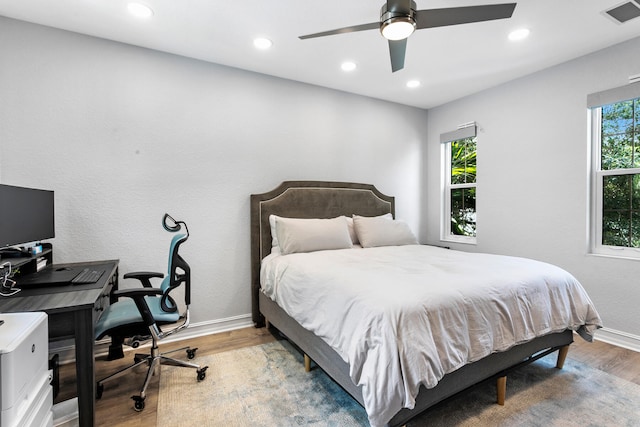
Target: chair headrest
(171, 225)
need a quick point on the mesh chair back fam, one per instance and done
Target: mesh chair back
(178, 273)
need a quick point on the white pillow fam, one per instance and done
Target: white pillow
(381, 231)
(352, 231)
(308, 235)
(274, 235)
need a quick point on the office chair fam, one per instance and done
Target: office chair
(139, 313)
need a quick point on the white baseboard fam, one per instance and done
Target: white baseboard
(213, 327)
(618, 338)
(65, 413)
(66, 349)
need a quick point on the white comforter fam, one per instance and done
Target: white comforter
(407, 315)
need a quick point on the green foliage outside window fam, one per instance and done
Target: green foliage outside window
(620, 145)
(463, 200)
(620, 149)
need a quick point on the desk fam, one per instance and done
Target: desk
(73, 312)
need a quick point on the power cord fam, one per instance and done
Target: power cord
(7, 285)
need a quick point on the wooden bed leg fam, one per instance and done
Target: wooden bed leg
(501, 387)
(562, 355)
(307, 363)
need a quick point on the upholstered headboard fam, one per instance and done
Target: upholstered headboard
(306, 199)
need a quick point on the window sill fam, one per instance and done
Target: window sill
(614, 256)
(463, 240)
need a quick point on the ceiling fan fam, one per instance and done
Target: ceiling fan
(399, 19)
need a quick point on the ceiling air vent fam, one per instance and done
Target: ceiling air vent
(624, 12)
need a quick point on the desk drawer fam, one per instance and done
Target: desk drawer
(102, 302)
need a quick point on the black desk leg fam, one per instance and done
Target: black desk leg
(86, 377)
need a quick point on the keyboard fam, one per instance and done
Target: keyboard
(87, 276)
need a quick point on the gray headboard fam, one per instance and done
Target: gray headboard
(306, 199)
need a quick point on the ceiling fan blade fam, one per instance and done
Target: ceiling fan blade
(363, 27)
(431, 18)
(397, 49)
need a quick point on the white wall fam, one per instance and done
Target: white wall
(124, 134)
(533, 158)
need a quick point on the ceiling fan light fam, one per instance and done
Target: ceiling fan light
(398, 28)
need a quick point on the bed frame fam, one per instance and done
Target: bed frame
(318, 199)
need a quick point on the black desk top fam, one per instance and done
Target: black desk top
(56, 299)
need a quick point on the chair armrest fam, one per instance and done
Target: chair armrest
(143, 276)
(137, 292)
(138, 298)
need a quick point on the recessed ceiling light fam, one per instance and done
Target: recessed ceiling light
(413, 84)
(348, 66)
(519, 34)
(262, 43)
(140, 10)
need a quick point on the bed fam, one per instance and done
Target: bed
(398, 396)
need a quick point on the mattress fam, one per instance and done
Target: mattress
(405, 316)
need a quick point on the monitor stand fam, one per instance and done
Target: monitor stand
(12, 253)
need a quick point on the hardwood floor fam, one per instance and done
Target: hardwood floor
(115, 408)
(611, 359)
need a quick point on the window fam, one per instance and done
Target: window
(615, 134)
(459, 190)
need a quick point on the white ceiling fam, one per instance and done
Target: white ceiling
(450, 62)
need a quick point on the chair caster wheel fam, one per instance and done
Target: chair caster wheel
(138, 403)
(191, 353)
(99, 390)
(202, 373)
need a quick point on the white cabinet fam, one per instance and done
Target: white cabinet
(26, 395)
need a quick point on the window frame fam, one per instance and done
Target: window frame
(463, 132)
(595, 102)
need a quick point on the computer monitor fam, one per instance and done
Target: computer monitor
(26, 215)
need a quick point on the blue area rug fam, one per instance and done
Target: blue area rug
(267, 386)
(264, 385)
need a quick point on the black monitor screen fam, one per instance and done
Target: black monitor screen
(26, 215)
